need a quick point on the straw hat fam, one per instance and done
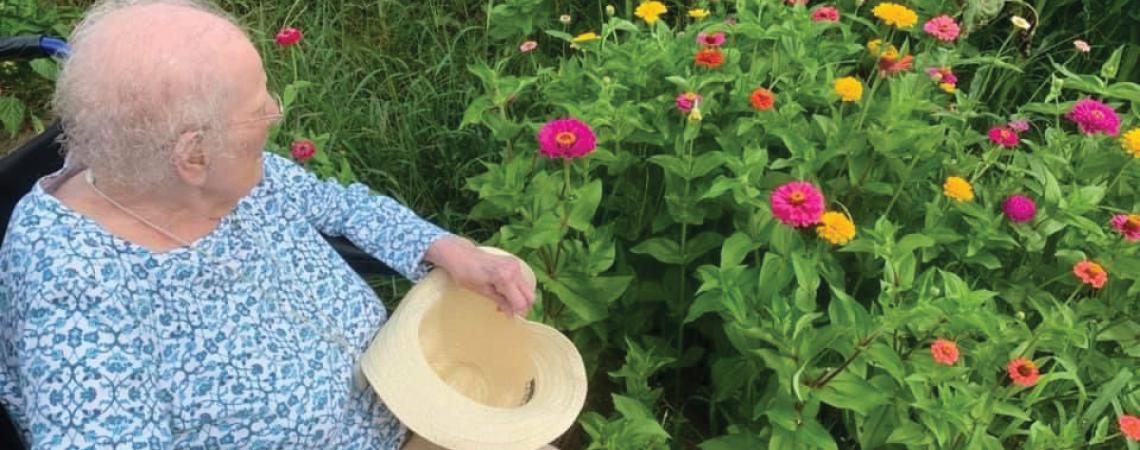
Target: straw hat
(465, 376)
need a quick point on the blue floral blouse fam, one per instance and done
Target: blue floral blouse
(229, 344)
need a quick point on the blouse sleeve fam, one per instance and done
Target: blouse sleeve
(377, 224)
(86, 375)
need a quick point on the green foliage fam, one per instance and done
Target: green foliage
(708, 322)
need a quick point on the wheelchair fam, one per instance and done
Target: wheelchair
(40, 156)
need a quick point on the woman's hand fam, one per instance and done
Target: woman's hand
(497, 277)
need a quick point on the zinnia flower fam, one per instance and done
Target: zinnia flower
(1023, 372)
(1129, 427)
(686, 101)
(651, 11)
(1004, 136)
(1092, 116)
(1020, 22)
(943, 28)
(874, 46)
(796, 2)
(825, 14)
(798, 204)
(1019, 125)
(709, 57)
(528, 46)
(958, 189)
(566, 138)
(942, 75)
(303, 150)
(698, 13)
(565, 19)
(1131, 142)
(288, 36)
(836, 228)
(945, 352)
(1091, 273)
(587, 36)
(1128, 225)
(762, 99)
(895, 15)
(848, 89)
(1082, 46)
(710, 39)
(891, 65)
(1019, 208)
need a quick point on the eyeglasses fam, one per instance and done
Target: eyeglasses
(272, 113)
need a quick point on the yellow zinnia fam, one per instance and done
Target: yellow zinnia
(650, 11)
(698, 13)
(896, 15)
(587, 36)
(958, 189)
(849, 89)
(949, 88)
(1131, 142)
(836, 228)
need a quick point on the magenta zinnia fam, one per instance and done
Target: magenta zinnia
(825, 14)
(566, 138)
(1094, 117)
(688, 100)
(1128, 225)
(1019, 208)
(710, 39)
(1004, 136)
(798, 203)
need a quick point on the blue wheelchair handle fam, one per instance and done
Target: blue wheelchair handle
(31, 47)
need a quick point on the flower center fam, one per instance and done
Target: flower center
(1133, 223)
(565, 139)
(797, 198)
(1006, 134)
(1093, 271)
(1025, 370)
(1097, 115)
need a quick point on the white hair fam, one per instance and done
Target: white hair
(129, 89)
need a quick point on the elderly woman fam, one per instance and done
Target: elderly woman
(169, 288)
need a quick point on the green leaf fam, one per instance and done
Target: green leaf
(585, 205)
(849, 391)
(662, 249)
(290, 94)
(1112, 65)
(11, 114)
(1107, 393)
(733, 442)
(735, 249)
(46, 68)
(909, 433)
(474, 112)
(910, 242)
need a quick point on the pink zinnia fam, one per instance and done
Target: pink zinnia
(825, 14)
(288, 36)
(527, 46)
(1004, 136)
(942, 28)
(566, 138)
(942, 75)
(710, 39)
(796, 2)
(1019, 208)
(945, 352)
(1128, 225)
(1093, 116)
(1019, 125)
(798, 203)
(303, 150)
(688, 100)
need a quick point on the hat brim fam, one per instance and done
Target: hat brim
(398, 370)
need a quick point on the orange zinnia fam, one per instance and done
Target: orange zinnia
(890, 65)
(1091, 273)
(709, 57)
(944, 351)
(762, 99)
(1023, 372)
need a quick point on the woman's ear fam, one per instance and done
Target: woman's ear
(190, 159)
